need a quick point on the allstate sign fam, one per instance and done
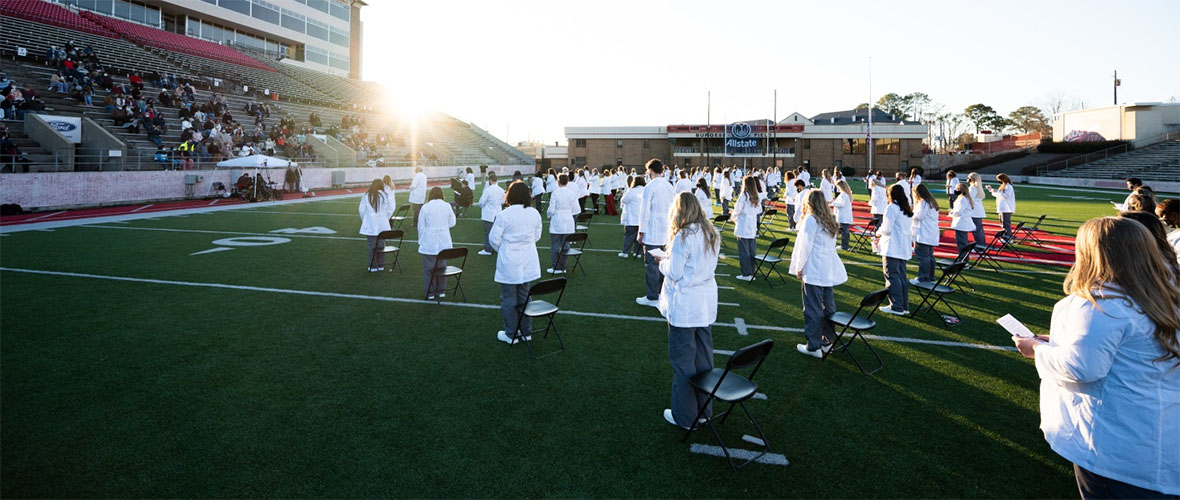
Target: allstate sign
(739, 140)
(68, 126)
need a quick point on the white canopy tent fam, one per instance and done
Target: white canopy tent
(256, 161)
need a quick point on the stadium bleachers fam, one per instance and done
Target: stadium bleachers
(1160, 162)
(49, 13)
(153, 37)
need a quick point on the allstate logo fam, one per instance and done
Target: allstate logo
(740, 130)
(62, 126)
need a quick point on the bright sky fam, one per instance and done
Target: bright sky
(526, 69)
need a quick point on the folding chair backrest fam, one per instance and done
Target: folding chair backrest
(454, 253)
(751, 355)
(997, 241)
(548, 287)
(402, 209)
(721, 219)
(393, 234)
(965, 252)
(779, 243)
(1017, 228)
(584, 217)
(1038, 223)
(770, 213)
(874, 299)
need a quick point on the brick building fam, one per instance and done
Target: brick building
(821, 141)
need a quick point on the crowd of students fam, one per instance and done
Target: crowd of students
(1123, 290)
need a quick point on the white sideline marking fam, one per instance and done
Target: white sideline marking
(725, 275)
(150, 205)
(759, 395)
(740, 324)
(723, 352)
(731, 304)
(214, 202)
(211, 250)
(39, 217)
(724, 287)
(1076, 197)
(656, 319)
(751, 439)
(739, 454)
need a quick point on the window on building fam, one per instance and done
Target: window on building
(618, 162)
(316, 55)
(579, 160)
(647, 144)
(338, 37)
(339, 11)
(265, 13)
(618, 143)
(320, 5)
(338, 61)
(239, 6)
(122, 9)
(806, 143)
(317, 29)
(293, 21)
(887, 146)
(579, 143)
(854, 146)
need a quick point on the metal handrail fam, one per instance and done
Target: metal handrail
(1086, 158)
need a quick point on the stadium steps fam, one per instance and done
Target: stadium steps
(36, 158)
(1160, 162)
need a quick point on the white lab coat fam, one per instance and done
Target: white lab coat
(895, 234)
(515, 235)
(490, 202)
(745, 217)
(977, 195)
(470, 178)
(706, 204)
(915, 180)
(550, 184)
(842, 206)
(418, 189)
(688, 298)
(563, 206)
(799, 202)
(961, 215)
(538, 187)
(583, 187)
(684, 185)
(815, 255)
(877, 198)
(593, 185)
(806, 177)
(631, 200)
(726, 189)
(653, 211)
(950, 184)
(826, 187)
(1005, 199)
(375, 221)
(435, 221)
(389, 191)
(924, 228)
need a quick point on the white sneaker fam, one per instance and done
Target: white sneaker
(622, 255)
(746, 278)
(644, 301)
(429, 297)
(671, 420)
(889, 309)
(442, 295)
(503, 337)
(913, 281)
(802, 348)
(372, 269)
(484, 252)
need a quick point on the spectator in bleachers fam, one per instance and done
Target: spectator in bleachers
(58, 84)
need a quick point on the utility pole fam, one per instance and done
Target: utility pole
(1117, 82)
(708, 126)
(869, 134)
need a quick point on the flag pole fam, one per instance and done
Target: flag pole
(869, 134)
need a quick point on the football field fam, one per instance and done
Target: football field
(246, 352)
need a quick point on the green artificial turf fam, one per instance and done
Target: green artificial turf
(178, 389)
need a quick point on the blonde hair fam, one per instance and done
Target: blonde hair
(843, 186)
(686, 211)
(974, 180)
(1121, 252)
(817, 206)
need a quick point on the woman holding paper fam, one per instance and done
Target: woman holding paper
(814, 261)
(975, 190)
(960, 213)
(688, 299)
(1110, 368)
(895, 246)
(842, 206)
(1005, 202)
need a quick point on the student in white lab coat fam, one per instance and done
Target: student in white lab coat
(563, 207)
(1110, 366)
(789, 198)
(915, 177)
(702, 194)
(417, 192)
(434, 236)
(630, 218)
(490, 203)
(952, 180)
(878, 198)
(925, 233)
(594, 187)
(514, 235)
(960, 214)
(902, 179)
(717, 184)
(842, 207)
(1005, 202)
(1168, 210)
(745, 214)
(688, 299)
(895, 246)
(470, 177)
(804, 176)
(978, 213)
(375, 211)
(582, 184)
(551, 182)
(653, 228)
(538, 189)
(826, 186)
(683, 183)
(796, 192)
(388, 187)
(814, 261)
(726, 191)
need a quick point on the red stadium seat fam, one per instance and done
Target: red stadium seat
(158, 38)
(48, 13)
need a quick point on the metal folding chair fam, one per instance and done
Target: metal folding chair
(720, 222)
(938, 290)
(864, 237)
(577, 247)
(582, 224)
(728, 387)
(964, 256)
(772, 261)
(843, 322)
(395, 250)
(1010, 240)
(540, 309)
(399, 217)
(450, 271)
(765, 221)
(988, 255)
(1030, 233)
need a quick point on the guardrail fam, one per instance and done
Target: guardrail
(1106, 153)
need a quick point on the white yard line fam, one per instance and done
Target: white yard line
(39, 217)
(463, 304)
(146, 206)
(739, 454)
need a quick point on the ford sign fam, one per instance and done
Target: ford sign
(62, 126)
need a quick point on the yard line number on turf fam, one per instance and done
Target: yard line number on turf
(226, 244)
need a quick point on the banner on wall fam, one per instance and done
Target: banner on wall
(69, 126)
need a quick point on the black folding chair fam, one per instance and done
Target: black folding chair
(771, 261)
(864, 237)
(843, 322)
(399, 217)
(538, 309)
(582, 224)
(450, 271)
(765, 221)
(938, 290)
(395, 250)
(988, 255)
(728, 387)
(577, 247)
(964, 256)
(1030, 233)
(720, 222)
(1010, 240)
